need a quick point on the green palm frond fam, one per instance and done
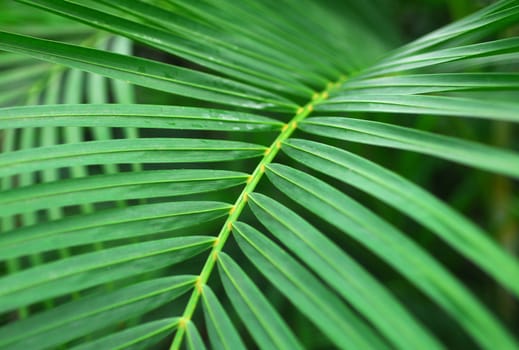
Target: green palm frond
(255, 174)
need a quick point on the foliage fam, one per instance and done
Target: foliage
(272, 174)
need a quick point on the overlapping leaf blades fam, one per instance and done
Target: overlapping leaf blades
(267, 64)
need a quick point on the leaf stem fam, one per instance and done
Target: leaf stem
(236, 210)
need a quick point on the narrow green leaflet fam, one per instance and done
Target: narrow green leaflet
(109, 224)
(87, 270)
(265, 33)
(114, 187)
(422, 104)
(261, 319)
(193, 339)
(340, 271)
(144, 336)
(387, 135)
(399, 90)
(394, 248)
(222, 333)
(432, 58)
(157, 150)
(430, 83)
(81, 317)
(42, 24)
(147, 73)
(214, 57)
(465, 81)
(273, 25)
(142, 116)
(198, 31)
(499, 61)
(495, 16)
(306, 292)
(201, 33)
(405, 196)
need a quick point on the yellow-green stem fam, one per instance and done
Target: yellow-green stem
(239, 205)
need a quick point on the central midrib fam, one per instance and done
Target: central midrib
(235, 212)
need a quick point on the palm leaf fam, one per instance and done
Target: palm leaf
(238, 139)
(69, 321)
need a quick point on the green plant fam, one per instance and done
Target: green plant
(125, 225)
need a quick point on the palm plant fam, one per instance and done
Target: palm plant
(258, 171)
